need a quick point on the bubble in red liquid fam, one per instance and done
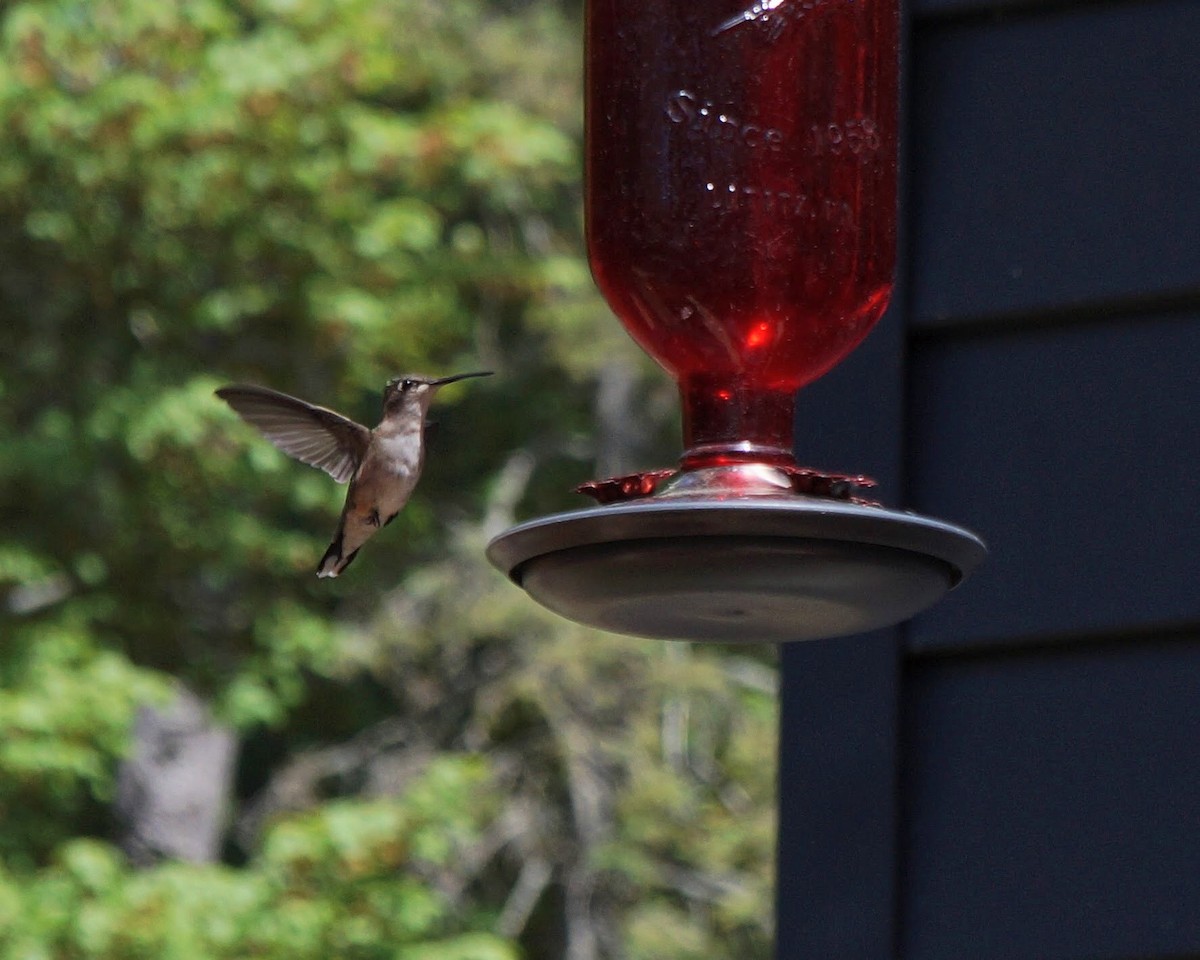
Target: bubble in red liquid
(741, 196)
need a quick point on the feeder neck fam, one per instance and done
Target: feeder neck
(728, 419)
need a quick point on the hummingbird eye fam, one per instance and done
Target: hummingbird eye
(407, 384)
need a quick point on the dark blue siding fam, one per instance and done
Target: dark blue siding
(1055, 161)
(1076, 451)
(1051, 804)
(1016, 774)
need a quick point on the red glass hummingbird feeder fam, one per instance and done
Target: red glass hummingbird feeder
(741, 222)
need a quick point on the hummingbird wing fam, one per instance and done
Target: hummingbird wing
(313, 435)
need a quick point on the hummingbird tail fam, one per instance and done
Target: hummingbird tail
(333, 562)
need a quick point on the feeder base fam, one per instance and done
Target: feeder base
(758, 569)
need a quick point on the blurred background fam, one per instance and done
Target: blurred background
(204, 750)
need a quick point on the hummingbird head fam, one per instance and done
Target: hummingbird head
(414, 391)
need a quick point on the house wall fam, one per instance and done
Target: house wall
(1016, 774)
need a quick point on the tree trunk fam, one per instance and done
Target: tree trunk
(620, 428)
(173, 789)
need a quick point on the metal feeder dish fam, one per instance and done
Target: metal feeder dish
(731, 571)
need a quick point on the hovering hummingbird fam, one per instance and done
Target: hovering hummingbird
(382, 465)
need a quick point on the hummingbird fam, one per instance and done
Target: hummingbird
(381, 465)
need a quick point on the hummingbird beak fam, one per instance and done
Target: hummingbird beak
(459, 376)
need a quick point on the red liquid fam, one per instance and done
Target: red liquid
(741, 197)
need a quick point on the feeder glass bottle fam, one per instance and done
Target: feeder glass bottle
(741, 197)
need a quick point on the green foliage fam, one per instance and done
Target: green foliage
(315, 195)
(65, 710)
(318, 195)
(355, 880)
(661, 756)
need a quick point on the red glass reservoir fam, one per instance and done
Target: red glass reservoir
(741, 197)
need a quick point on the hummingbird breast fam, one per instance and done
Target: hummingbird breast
(389, 473)
(398, 453)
